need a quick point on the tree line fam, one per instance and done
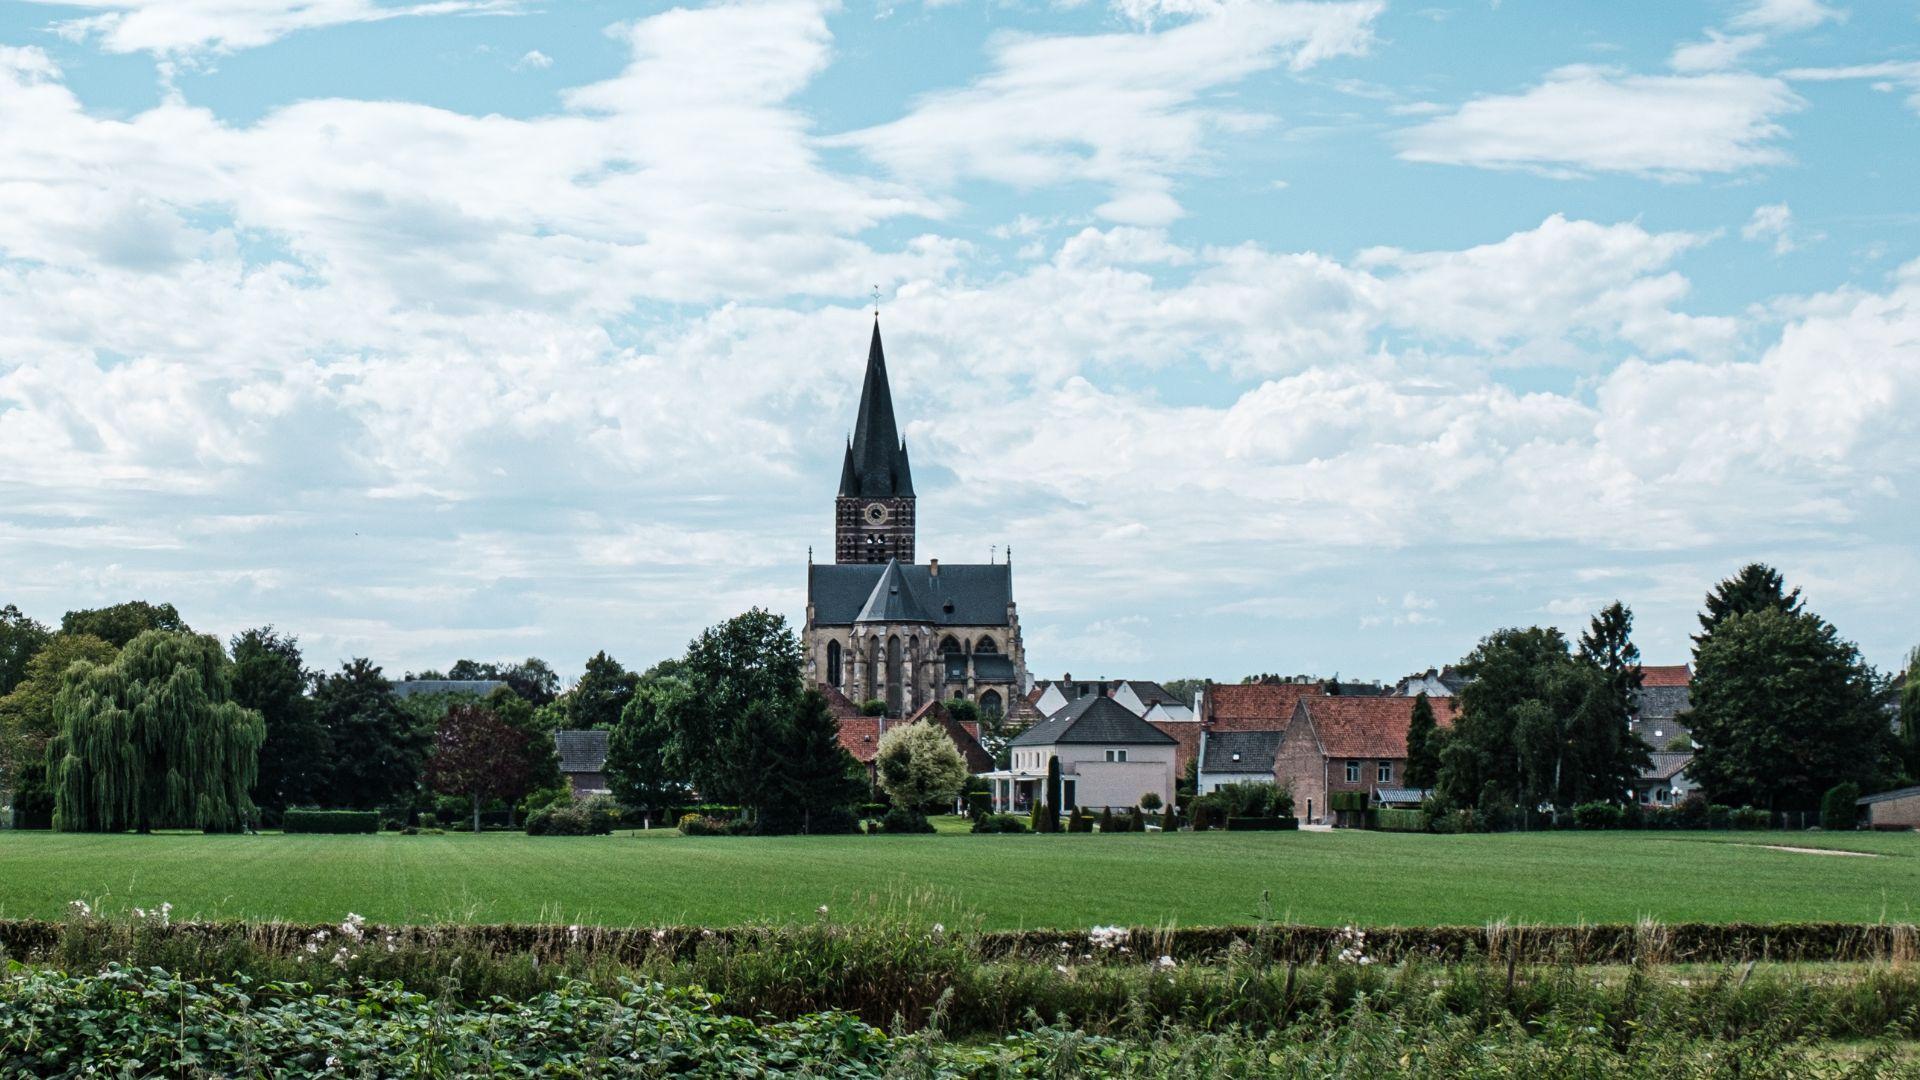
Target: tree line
(1782, 711)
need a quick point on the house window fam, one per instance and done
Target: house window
(1116, 755)
(1353, 772)
(1069, 793)
(1386, 772)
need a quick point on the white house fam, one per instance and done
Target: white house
(1108, 758)
(1228, 757)
(1141, 697)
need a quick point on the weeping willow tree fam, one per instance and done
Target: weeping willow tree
(153, 740)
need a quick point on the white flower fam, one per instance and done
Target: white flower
(821, 910)
(332, 1062)
(659, 936)
(80, 909)
(353, 927)
(573, 934)
(706, 933)
(1061, 968)
(1107, 937)
(341, 956)
(939, 928)
(1165, 961)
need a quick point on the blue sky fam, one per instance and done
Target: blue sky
(1272, 337)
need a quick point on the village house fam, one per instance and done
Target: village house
(1232, 757)
(583, 761)
(1659, 716)
(1893, 809)
(860, 734)
(1348, 743)
(1108, 757)
(1665, 782)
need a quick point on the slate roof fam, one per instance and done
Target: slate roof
(1666, 765)
(477, 687)
(1666, 675)
(1094, 719)
(1241, 751)
(1885, 796)
(1254, 706)
(1369, 727)
(893, 599)
(581, 751)
(875, 466)
(972, 594)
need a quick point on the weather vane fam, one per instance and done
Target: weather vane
(876, 301)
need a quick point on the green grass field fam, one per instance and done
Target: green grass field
(1062, 881)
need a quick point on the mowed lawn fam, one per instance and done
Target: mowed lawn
(1061, 881)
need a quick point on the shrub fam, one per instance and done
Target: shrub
(1633, 815)
(701, 825)
(873, 810)
(1347, 801)
(1752, 819)
(1691, 812)
(1000, 823)
(428, 821)
(1079, 821)
(1252, 798)
(1719, 817)
(979, 804)
(1597, 815)
(571, 819)
(1662, 817)
(331, 821)
(1106, 819)
(1151, 801)
(873, 707)
(903, 820)
(1840, 809)
(1456, 821)
(1390, 820)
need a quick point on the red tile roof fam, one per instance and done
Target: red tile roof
(1255, 706)
(964, 740)
(1186, 736)
(839, 704)
(861, 736)
(1369, 727)
(1669, 675)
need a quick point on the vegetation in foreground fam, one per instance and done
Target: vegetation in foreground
(888, 996)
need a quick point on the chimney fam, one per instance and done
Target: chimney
(933, 567)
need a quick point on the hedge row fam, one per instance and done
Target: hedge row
(1262, 824)
(330, 821)
(34, 939)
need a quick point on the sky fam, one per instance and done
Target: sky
(1270, 337)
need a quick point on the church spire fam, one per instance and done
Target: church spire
(879, 457)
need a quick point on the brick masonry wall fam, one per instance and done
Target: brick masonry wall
(1895, 811)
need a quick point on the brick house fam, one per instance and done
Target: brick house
(1893, 809)
(1347, 743)
(860, 734)
(1233, 707)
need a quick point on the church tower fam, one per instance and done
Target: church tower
(873, 513)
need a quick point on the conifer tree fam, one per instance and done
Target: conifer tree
(1756, 587)
(819, 780)
(1423, 744)
(153, 740)
(268, 677)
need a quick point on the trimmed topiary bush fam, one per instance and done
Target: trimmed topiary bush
(1597, 815)
(331, 821)
(1387, 819)
(1752, 819)
(903, 820)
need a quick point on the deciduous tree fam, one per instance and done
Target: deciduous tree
(1784, 709)
(919, 767)
(602, 692)
(153, 739)
(27, 723)
(121, 623)
(637, 768)
(21, 639)
(270, 678)
(479, 755)
(378, 748)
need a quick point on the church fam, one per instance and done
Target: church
(881, 627)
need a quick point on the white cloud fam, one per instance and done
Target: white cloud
(1126, 111)
(171, 27)
(1717, 53)
(1586, 119)
(1786, 15)
(1886, 76)
(533, 60)
(1773, 224)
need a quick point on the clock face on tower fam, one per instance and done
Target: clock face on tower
(876, 514)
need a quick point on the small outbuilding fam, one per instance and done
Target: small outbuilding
(1893, 809)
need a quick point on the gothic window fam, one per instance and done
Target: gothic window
(990, 703)
(833, 663)
(893, 676)
(986, 645)
(948, 645)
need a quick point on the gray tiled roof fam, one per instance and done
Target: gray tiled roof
(1095, 719)
(477, 687)
(893, 599)
(1152, 693)
(1667, 765)
(1240, 751)
(977, 594)
(581, 751)
(876, 460)
(1662, 703)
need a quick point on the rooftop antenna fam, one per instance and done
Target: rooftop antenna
(993, 554)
